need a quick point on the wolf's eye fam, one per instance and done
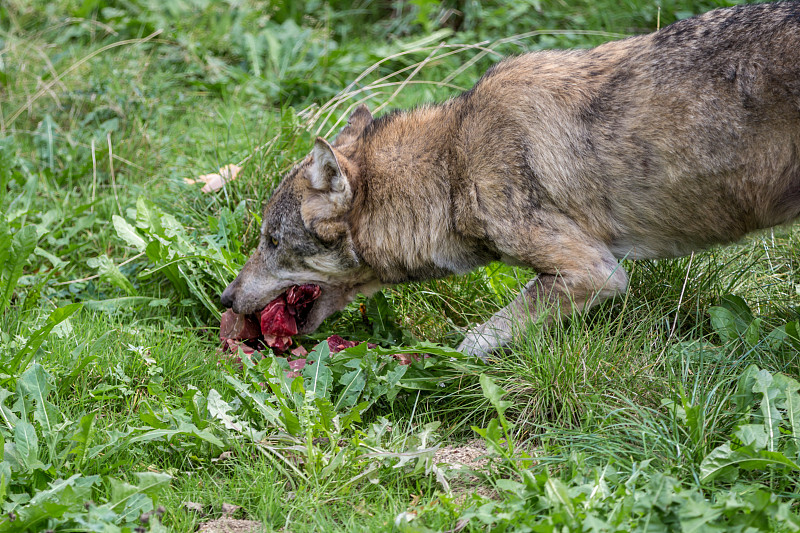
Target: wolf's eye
(274, 241)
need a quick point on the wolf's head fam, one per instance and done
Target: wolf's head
(305, 234)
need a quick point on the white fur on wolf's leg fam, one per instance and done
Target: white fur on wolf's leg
(490, 336)
(481, 343)
(497, 332)
(544, 298)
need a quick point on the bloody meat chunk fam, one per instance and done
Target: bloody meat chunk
(337, 344)
(280, 318)
(238, 327)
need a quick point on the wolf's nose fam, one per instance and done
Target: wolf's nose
(226, 298)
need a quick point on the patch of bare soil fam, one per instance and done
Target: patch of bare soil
(230, 525)
(226, 523)
(472, 456)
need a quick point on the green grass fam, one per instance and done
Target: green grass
(670, 409)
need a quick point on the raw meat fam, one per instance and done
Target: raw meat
(279, 319)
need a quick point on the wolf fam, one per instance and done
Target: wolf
(653, 146)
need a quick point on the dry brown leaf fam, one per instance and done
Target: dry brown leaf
(215, 181)
(228, 509)
(194, 506)
(224, 456)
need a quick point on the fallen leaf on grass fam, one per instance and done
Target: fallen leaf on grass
(215, 181)
(194, 506)
(228, 509)
(224, 456)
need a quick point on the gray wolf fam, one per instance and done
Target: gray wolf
(565, 161)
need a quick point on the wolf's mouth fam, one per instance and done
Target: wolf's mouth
(285, 315)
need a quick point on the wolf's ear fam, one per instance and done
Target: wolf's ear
(356, 124)
(330, 195)
(326, 173)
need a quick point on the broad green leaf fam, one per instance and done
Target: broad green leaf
(62, 496)
(510, 485)
(423, 347)
(74, 490)
(5, 245)
(753, 332)
(792, 330)
(354, 415)
(738, 306)
(152, 483)
(131, 501)
(752, 435)
(288, 417)
(502, 280)
(109, 272)
(317, 374)
(698, 516)
(777, 338)
(148, 217)
(354, 382)
(494, 394)
(7, 416)
(22, 245)
(772, 417)
(326, 413)
(393, 378)
(725, 324)
(83, 438)
(128, 233)
(57, 262)
(35, 384)
(379, 313)
(219, 408)
(763, 458)
(18, 209)
(184, 428)
(557, 493)
(744, 397)
(255, 399)
(27, 444)
(793, 413)
(5, 477)
(24, 356)
(724, 462)
(176, 233)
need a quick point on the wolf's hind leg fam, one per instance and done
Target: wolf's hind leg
(574, 287)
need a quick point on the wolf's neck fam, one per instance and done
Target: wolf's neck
(410, 144)
(402, 217)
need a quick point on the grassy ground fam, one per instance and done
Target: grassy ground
(674, 408)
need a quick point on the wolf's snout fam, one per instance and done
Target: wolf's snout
(228, 295)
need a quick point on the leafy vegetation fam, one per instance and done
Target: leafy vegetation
(675, 408)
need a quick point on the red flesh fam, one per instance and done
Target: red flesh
(238, 327)
(279, 318)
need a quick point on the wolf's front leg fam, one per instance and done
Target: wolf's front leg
(545, 297)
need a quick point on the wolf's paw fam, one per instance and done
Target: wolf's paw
(479, 344)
